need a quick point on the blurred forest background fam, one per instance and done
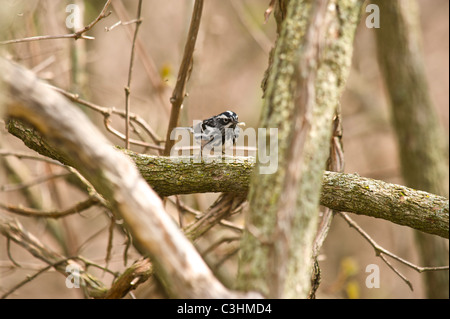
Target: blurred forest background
(230, 58)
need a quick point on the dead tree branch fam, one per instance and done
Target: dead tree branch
(178, 265)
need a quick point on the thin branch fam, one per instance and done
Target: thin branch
(77, 35)
(41, 179)
(122, 136)
(112, 224)
(15, 232)
(183, 74)
(29, 279)
(130, 72)
(47, 37)
(220, 242)
(88, 263)
(145, 58)
(402, 277)
(115, 25)
(20, 155)
(232, 226)
(380, 251)
(55, 265)
(128, 243)
(180, 211)
(198, 215)
(10, 257)
(30, 212)
(224, 206)
(103, 14)
(106, 112)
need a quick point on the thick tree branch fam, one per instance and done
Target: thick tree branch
(342, 192)
(177, 264)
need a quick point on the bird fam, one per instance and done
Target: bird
(218, 130)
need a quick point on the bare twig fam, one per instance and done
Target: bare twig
(232, 226)
(403, 277)
(130, 72)
(10, 257)
(180, 211)
(122, 136)
(145, 58)
(224, 206)
(20, 155)
(29, 212)
(220, 242)
(112, 224)
(77, 35)
(198, 215)
(29, 278)
(41, 179)
(48, 37)
(380, 251)
(103, 14)
(183, 74)
(106, 112)
(115, 25)
(15, 232)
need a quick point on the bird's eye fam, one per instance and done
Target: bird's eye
(226, 120)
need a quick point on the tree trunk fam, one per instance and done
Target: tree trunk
(420, 138)
(309, 67)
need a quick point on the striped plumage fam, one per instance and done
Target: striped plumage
(217, 130)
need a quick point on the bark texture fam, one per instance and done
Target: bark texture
(420, 137)
(177, 264)
(309, 67)
(341, 192)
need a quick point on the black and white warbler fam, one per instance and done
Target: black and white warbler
(218, 130)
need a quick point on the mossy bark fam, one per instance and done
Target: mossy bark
(275, 255)
(421, 141)
(342, 192)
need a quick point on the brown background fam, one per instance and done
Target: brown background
(230, 58)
